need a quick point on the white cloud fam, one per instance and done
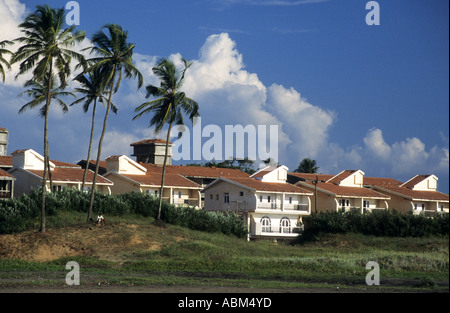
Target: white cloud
(375, 144)
(404, 158)
(306, 124)
(228, 94)
(12, 13)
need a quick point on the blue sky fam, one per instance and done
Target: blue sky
(349, 95)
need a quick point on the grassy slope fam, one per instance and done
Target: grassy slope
(131, 251)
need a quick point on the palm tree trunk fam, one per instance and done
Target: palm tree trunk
(90, 146)
(164, 172)
(46, 155)
(99, 151)
(44, 176)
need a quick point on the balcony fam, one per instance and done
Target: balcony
(270, 206)
(186, 201)
(303, 207)
(297, 207)
(277, 231)
(5, 194)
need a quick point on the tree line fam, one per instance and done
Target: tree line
(47, 49)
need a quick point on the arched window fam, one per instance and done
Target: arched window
(285, 225)
(266, 225)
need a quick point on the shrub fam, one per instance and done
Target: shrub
(376, 223)
(15, 213)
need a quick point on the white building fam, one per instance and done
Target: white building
(129, 175)
(271, 207)
(28, 169)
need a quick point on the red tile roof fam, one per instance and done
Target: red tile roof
(341, 176)
(74, 175)
(6, 161)
(148, 142)
(260, 174)
(5, 175)
(343, 191)
(380, 181)
(415, 194)
(311, 177)
(64, 164)
(170, 180)
(265, 186)
(196, 171)
(414, 181)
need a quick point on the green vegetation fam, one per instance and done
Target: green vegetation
(187, 257)
(199, 248)
(19, 214)
(376, 223)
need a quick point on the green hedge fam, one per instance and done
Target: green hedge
(376, 223)
(16, 213)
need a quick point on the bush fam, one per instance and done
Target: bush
(376, 223)
(15, 213)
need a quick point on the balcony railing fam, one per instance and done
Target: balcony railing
(185, 201)
(5, 194)
(280, 230)
(287, 206)
(266, 205)
(297, 207)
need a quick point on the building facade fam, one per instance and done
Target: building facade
(271, 207)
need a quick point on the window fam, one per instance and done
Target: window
(260, 198)
(211, 196)
(268, 199)
(217, 197)
(156, 193)
(226, 197)
(179, 194)
(415, 206)
(442, 208)
(423, 206)
(265, 225)
(241, 193)
(3, 185)
(285, 225)
(290, 200)
(58, 187)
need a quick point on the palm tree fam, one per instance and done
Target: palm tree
(168, 107)
(114, 57)
(2, 59)
(307, 166)
(45, 50)
(93, 90)
(39, 93)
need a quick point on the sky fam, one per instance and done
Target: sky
(344, 93)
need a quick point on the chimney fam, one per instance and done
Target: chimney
(152, 151)
(3, 141)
